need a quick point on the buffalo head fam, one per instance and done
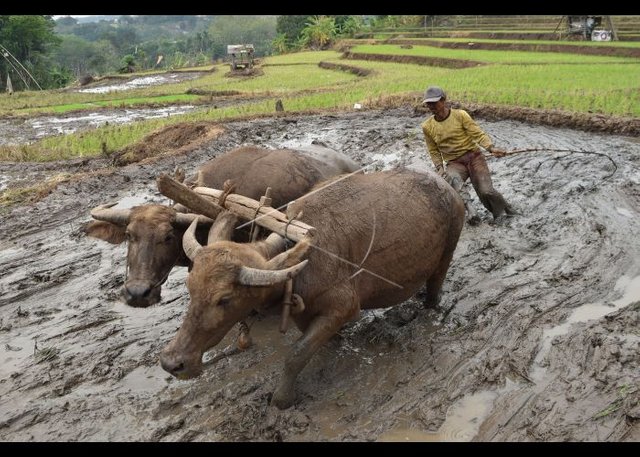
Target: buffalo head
(154, 237)
(226, 282)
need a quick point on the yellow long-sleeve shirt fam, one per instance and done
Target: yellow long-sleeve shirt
(453, 137)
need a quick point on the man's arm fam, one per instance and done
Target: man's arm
(433, 150)
(479, 136)
(475, 132)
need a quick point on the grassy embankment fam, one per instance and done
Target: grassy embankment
(616, 44)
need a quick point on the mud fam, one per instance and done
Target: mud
(346, 68)
(16, 131)
(417, 60)
(106, 85)
(535, 339)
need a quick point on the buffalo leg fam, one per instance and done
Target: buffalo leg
(319, 331)
(435, 281)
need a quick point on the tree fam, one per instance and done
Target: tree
(257, 30)
(75, 54)
(349, 25)
(291, 27)
(279, 44)
(30, 39)
(124, 38)
(67, 21)
(319, 32)
(128, 64)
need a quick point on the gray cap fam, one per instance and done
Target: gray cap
(433, 94)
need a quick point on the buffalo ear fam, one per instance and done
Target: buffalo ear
(106, 231)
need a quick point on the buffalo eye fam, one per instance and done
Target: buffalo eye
(168, 238)
(224, 301)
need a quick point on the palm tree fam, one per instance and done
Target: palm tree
(279, 43)
(319, 32)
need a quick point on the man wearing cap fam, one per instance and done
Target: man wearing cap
(453, 138)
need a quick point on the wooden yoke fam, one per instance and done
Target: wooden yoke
(204, 200)
(265, 216)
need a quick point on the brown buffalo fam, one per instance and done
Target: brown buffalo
(154, 232)
(379, 238)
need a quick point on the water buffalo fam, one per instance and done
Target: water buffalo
(154, 232)
(379, 238)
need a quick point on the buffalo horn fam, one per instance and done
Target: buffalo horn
(185, 219)
(257, 277)
(222, 228)
(189, 242)
(115, 216)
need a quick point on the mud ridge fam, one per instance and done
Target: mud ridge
(171, 139)
(612, 51)
(418, 60)
(347, 68)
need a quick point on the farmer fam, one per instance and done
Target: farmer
(452, 139)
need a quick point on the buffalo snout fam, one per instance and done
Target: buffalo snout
(178, 365)
(140, 293)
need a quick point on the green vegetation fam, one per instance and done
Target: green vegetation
(568, 82)
(623, 392)
(276, 80)
(545, 80)
(25, 42)
(58, 51)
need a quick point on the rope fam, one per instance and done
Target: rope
(287, 240)
(373, 235)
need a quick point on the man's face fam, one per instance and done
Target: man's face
(436, 107)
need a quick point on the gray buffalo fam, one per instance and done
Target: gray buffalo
(154, 232)
(379, 238)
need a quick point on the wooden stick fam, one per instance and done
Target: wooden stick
(265, 200)
(182, 194)
(265, 216)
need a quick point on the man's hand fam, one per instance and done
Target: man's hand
(497, 152)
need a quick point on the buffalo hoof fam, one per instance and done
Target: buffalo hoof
(511, 211)
(282, 400)
(474, 220)
(503, 219)
(431, 302)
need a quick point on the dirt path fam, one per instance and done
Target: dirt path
(536, 338)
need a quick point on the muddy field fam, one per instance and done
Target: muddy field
(536, 337)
